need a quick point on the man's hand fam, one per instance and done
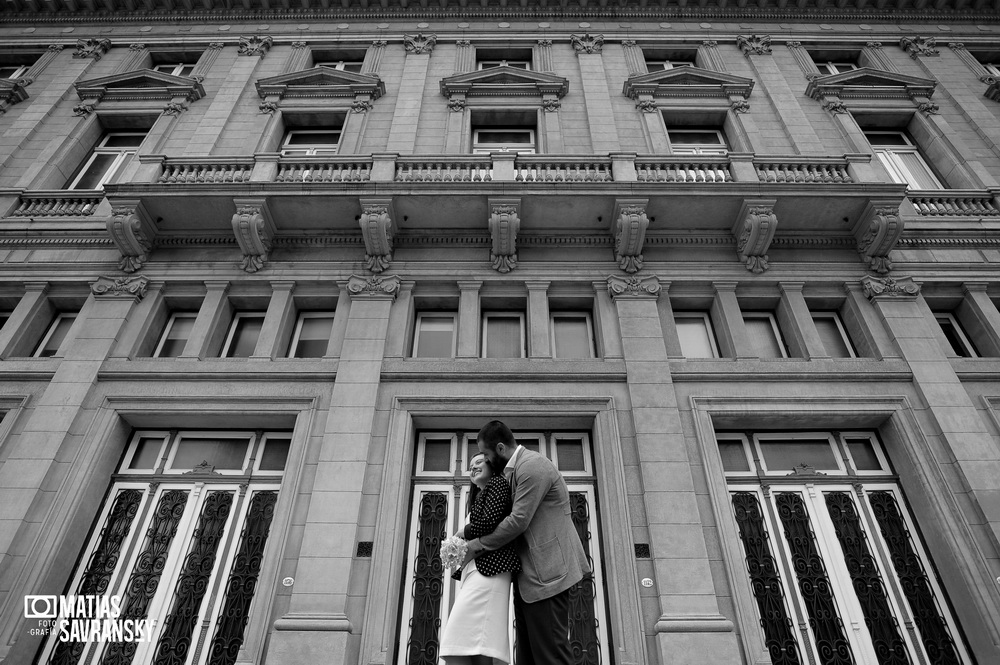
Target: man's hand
(475, 548)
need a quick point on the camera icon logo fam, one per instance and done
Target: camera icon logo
(40, 607)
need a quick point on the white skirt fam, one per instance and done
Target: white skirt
(479, 620)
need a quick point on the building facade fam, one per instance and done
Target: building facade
(267, 267)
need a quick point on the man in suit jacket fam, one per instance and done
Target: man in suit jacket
(552, 556)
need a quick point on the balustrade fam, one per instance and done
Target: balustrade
(59, 204)
(686, 170)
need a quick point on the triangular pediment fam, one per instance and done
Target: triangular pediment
(504, 80)
(686, 82)
(141, 84)
(866, 82)
(321, 82)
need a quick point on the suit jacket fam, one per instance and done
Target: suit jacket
(552, 556)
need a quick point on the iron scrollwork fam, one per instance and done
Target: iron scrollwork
(428, 581)
(583, 636)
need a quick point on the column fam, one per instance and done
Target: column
(207, 60)
(206, 329)
(468, 319)
(596, 98)
(981, 319)
(543, 56)
(141, 332)
(401, 322)
(403, 131)
(340, 319)
(690, 624)
(319, 623)
(539, 339)
(465, 56)
(606, 333)
(634, 60)
(13, 335)
(278, 322)
(865, 326)
(795, 321)
(709, 57)
(727, 317)
(373, 56)
(298, 59)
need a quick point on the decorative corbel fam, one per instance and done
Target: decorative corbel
(740, 106)
(133, 232)
(504, 224)
(254, 231)
(634, 286)
(902, 287)
(377, 228)
(754, 230)
(108, 286)
(375, 287)
(91, 48)
(587, 43)
(628, 226)
(255, 45)
(877, 231)
(419, 44)
(754, 44)
(835, 107)
(917, 46)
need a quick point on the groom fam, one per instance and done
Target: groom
(552, 556)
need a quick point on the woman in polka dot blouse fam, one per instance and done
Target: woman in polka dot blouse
(478, 624)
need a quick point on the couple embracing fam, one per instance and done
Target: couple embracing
(519, 530)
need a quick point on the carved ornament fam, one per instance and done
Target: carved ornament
(928, 108)
(628, 43)
(504, 224)
(456, 105)
(754, 231)
(877, 232)
(377, 286)
(836, 108)
(634, 286)
(268, 107)
(740, 106)
(646, 106)
(254, 232)
(91, 48)
(793, 44)
(754, 44)
(551, 105)
(380, 43)
(710, 43)
(136, 47)
(255, 45)
(545, 43)
(917, 46)
(629, 226)
(418, 44)
(131, 285)
(361, 106)
(587, 43)
(12, 92)
(463, 43)
(133, 232)
(83, 109)
(875, 45)
(56, 48)
(901, 287)
(298, 45)
(174, 108)
(377, 228)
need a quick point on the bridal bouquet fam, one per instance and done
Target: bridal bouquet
(453, 551)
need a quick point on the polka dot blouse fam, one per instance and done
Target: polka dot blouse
(493, 504)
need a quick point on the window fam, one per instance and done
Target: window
(434, 335)
(343, 65)
(831, 330)
(654, 65)
(694, 332)
(503, 335)
(310, 142)
(695, 141)
(827, 68)
(572, 335)
(109, 157)
(243, 334)
(176, 69)
(13, 71)
(517, 64)
(824, 540)
(959, 341)
(901, 158)
(992, 67)
(312, 335)
(55, 335)
(764, 335)
(200, 504)
(503, 139)
(175, 335)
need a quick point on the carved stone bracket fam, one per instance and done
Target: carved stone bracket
(740, 106)
(628, 226)
(917, 46)
(877, 232)
(456, 105)
(647, 286)
(375, 287)
(754, 230)
(91, 48)
(83, 109)
(647, 106)
(255, 45)
(928, 108)
(254, 231)
(377, 228)
(133, 232)
(133, 286)
(361, 106)
(902, 287)
(268, 107)
(418, 44)
(993, 92)
(504, 223)
(551, 105)
(587, 43)
(174, 108)
(754, 44)
(836, 108)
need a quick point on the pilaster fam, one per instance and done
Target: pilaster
(539, 336)
(728, 319)
(983, 318)
(134, 59)
(465, 56)
(277, 321)
(208, 324)
(373, 56)
(796, 323)
(596, 97)
(210, 128)
(633, 57)
(468, 319)
(874, 56)
(543, 55)
(709, 57)
(13, 333)
(403, 131)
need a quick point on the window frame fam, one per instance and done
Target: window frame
(505, 314)
(590, 333)
(793, 436)
(970, 348)
(421, 455)
(53, 326)
(835, 315)
(666, 64)
(485, 148)
(237, 316)
(259, 455)
(19, 71)
(707, 320)
(698, 148)
(838, 67)
(132, 448)
(748, 452)
(176, 68)
(122, 157)
(761, 314)
(342, 65)
(876, 446)
(437, 315)
(899, 172)
(297, 333)
(253, 443)
(584, 439)
(317, 150)
(166, 332)
(489, 63)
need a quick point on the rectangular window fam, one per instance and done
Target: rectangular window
(992, 67)
(655, 65)
(13, 71)
(902, 159)
(175, 68)
(694, 332)
(434, 335)
(343, 65)
(764, 335)
(959, 341)
(243, 334)
(111, 154)
(572, 335)
(835, 339)
(312, 335)
(55, 335)
(517, 64)
(310, 142)
(503, 335)
(175, 335)
(827, 68)
(503, 139)
(705, 141)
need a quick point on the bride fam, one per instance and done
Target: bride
(477, 629)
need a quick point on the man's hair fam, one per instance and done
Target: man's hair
(495, 432)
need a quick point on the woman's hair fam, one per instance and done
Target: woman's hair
(474, 490)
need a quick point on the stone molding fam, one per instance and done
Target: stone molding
(92, 48)
(133, 286)
(870, 84)
(754, 44)
(687, 83)
(255, 45)
(142, 85)
(740, 106)
(320, 83)
(377, 222)
(587, 43)
(419, 44)
(888, 287)
(983, 74)
(11, 92)
(647, 286)
(133, 232)
(919, 46)
(754, 230)
(877, 232)
(254, 230)
(628, 227)
(504, 224)
(374, 287)
(504, 81)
